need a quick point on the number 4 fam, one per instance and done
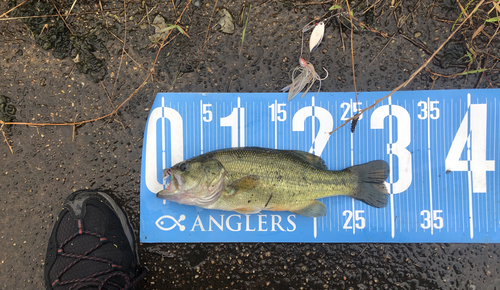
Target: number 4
(471, 133)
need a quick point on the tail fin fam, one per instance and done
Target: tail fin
(371, 188)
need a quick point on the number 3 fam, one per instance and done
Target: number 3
(398, 148)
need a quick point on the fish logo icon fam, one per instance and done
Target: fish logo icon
(161, 221)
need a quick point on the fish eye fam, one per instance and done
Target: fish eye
(183, 167)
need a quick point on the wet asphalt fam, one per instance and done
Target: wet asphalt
(48, 162)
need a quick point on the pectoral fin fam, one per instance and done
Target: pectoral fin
(314, 209)
(244, 184)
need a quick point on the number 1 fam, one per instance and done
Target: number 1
(236, 120)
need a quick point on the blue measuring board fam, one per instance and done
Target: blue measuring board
(442, 148)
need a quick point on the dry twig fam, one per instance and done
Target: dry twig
(53, 15)
(123, 48)
(206, 35)
(62, 18)
(413, 75)
(352, 61)
(12, 9)
(74, 123)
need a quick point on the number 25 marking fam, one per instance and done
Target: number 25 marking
(359, 221)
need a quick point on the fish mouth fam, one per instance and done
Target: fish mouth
(172, 184)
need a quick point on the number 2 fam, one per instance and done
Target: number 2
(325, 126)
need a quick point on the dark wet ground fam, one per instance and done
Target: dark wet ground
(49, 162)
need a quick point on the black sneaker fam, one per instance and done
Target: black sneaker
(92, 246)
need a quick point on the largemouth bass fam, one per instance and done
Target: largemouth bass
(248, 180)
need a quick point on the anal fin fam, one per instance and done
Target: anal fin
(247, 210)
(314, 209)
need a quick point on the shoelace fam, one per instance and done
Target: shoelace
(97, 279)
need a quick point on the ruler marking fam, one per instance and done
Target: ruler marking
(352, 164)
(413, 175)
(184, 127)
(495, 158)
(391, 179)
(164, 153)
(243, 133)
(253, 131)
(268, 131)
(462, 207)
(329, 219)
(429, 163)
(164, 136)
(275, 124)
(163, 125)
(201, 126)
(477, 196)
(194, 122)
(217, 128)
(337, 158)
(455, 210)
(209, 131)
(439, 197)
(422, 185)
(469, 172)
(485, 195)
(406, 198)
(370, 214)
(444, 154)
(313, 125)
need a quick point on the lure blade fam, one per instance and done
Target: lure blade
(308, 27)
(316, 36)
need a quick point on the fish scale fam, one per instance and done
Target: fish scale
(297, 176)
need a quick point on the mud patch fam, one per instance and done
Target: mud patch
(52, 33)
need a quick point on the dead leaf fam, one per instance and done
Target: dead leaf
(226, 22)
(161, 28)
(477, 32)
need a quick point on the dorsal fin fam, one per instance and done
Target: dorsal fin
(315, 161)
